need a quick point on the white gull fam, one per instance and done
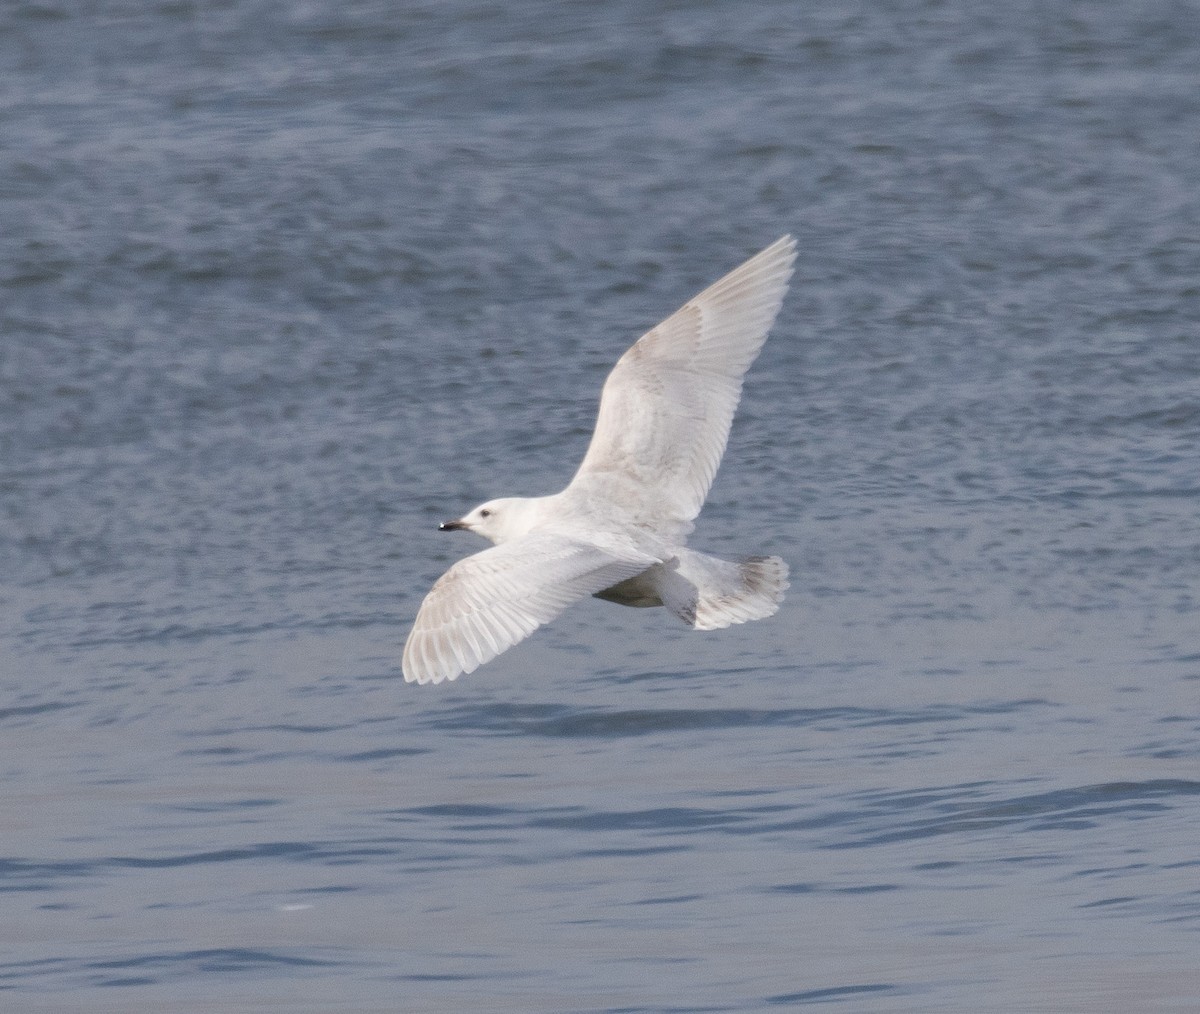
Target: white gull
(619, 529)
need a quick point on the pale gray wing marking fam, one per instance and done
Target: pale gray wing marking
(488, 602)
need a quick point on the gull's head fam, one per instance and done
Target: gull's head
(497, 520)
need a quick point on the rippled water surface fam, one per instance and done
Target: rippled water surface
(284, 284)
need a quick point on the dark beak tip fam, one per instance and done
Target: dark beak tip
(449, 526)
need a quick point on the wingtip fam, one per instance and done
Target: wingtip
(428, 678)
(780, 256)
(415, 664)
(786, 244)
(424, 665)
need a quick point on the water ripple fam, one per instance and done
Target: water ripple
(569, 721)
(835, 994)
(157, 967)
(1071, 809)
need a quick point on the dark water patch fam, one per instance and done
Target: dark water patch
(12, 970)
(29, 710)
(217, 751)
(442, 977)
(1061, 810)
(936, 713)
(462, 817)
(674, 899)
(1111, 871)
(671, 1009)
(162, 967)
(267, 851)
(811, 888)
(569, 722)
(1108, 902)
(834, 994)
(620, 724)
(630, 852)
(658, 820)
(217, 960)
(471, 820)
(232, 756)
(382, 754)
(664, 677)
(304, 730)
(499, 719)
(23, 874)
(18, 874)
(225, 806)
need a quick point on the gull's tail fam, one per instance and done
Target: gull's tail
(708, 593)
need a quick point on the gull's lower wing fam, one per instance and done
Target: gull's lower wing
(667, 406)
(486, 603)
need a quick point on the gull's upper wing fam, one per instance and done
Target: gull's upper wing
(667, 406)
(486, 603)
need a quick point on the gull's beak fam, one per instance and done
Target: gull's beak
(451, 526)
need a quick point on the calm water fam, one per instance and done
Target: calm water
(284, 284)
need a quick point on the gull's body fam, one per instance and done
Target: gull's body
(619, 529)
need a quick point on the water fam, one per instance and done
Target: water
(286, 284)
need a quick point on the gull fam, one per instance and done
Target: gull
(619, 530)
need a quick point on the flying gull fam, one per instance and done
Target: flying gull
(619, 529)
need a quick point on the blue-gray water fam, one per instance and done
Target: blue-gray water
(284, 284)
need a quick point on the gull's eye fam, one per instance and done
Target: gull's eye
(485, 514)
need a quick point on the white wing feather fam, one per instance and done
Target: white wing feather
(667, 406)
(488, 602)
